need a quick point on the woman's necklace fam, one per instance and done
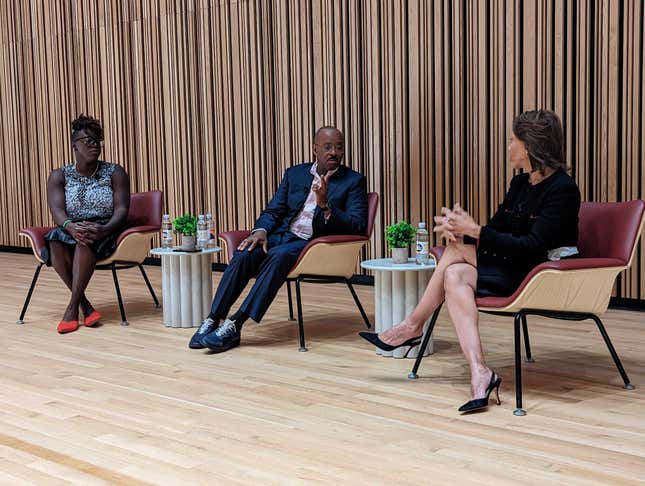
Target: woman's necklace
(92, 174)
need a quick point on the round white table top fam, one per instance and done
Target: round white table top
(386, 264)
(171, 252)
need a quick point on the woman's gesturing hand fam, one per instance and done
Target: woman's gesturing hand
(462, 223)
(444, 227)
(454, 223)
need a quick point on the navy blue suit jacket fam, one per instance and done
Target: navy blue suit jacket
(346, 196)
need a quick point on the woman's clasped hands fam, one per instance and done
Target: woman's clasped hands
(453, 224)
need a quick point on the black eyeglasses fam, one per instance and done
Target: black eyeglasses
(91, 142)
(327, 147)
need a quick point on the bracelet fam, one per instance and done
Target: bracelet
(66, 222)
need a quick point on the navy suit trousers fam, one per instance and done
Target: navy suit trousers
(271, 270)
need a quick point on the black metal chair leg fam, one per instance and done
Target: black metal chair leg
(124, 321)
(31, 291)
(152, 292)
(518, 366)
(358, 304)
(290, 300)
(424, 344)
(301, 328)
(527, 343)
(612, 351)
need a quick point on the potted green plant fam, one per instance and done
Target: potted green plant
(398, 237)
(186, 226)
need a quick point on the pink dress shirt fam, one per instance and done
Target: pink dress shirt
(302, 225)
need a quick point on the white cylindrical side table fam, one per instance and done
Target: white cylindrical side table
(186, 280)
(397, 290)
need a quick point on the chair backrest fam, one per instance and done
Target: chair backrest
(145, 209)
(372, 207)
(610, 230)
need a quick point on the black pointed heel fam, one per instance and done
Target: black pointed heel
(480, 403)
(373, 338)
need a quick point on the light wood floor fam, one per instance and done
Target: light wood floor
(133, 405)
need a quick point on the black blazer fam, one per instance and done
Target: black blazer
(346, 196)
(533, 219)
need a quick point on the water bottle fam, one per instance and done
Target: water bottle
(423, 257)
(202, 233)
(166, 232)
(210, 229)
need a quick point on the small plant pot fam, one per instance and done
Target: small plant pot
(188, 243)
(399, 255)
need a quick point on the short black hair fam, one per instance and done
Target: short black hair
(326, 127)
(87, 123)
(541, 132)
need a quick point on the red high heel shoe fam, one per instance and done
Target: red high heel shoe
(67, 326)
(92, 319)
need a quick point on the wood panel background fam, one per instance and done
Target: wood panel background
(210, 100)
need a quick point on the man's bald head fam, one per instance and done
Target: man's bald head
(327, 128)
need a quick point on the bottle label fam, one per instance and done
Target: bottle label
(166, 234)
(422, 247)
(202, 234)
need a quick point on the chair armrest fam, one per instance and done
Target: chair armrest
(137, 229)
(334, 239)
(573, 285)
(331, 239)
(231, 240)
(334, 255)
(36, 236)
(572, 264)
(437, 252)
(132, 245)
(565, 264)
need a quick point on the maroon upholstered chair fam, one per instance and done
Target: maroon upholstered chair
(328, 259)
(573, 289)
(133, 244)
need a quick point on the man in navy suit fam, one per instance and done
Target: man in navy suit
(314, 199)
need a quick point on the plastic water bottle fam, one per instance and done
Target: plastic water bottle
(202, 233)
(210, 229)
(423, 256)
(166, 232)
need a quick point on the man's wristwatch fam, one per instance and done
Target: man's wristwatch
(325, 207)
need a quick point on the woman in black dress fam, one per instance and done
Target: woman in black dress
(537, 220)
(89, 201)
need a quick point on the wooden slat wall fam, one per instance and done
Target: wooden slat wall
(211, 100)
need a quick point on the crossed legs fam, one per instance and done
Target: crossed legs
(453, 281)
(75, 265)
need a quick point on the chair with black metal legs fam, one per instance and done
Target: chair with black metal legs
(573, 289)
(133, 244)
(328, 259)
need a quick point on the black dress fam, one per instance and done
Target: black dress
(532, 220)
